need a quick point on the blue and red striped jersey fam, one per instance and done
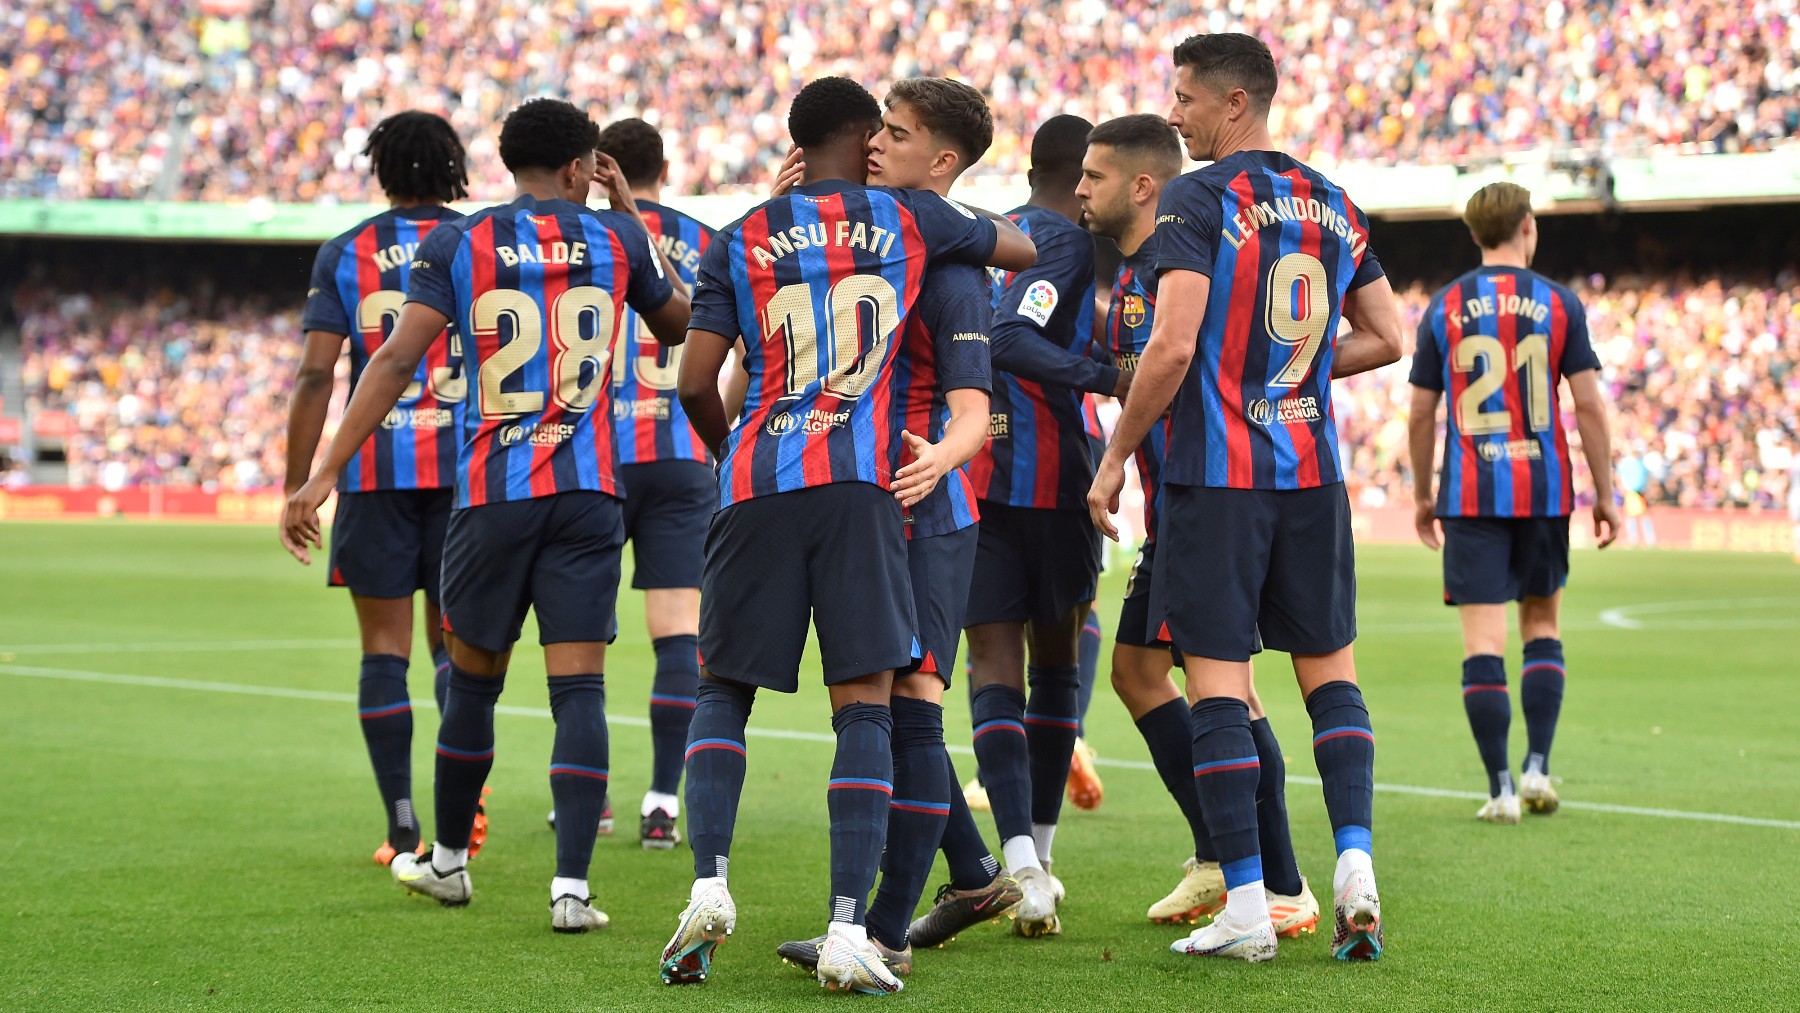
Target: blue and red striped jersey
(1037, 455)
(647, 416)
(1128, 319)
(945, 349)
(358, 286)
(820, 282)
(1282, 245)
(1499, 340)
(537, 289)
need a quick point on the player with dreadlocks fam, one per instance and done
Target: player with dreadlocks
(388, 538)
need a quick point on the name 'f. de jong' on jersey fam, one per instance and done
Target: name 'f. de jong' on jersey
(1283, 246)
(537, 288)
(819, 283)
(358, 286)
(1498, 341)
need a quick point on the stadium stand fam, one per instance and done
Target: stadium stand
(173, 387)
(222, 100)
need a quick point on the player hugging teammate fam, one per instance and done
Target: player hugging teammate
(911, 460)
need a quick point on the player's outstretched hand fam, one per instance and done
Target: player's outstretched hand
(1606, 523)
(1425, 523)
(915, 481)
(300, 519)
(1103, 496)
(793, 169)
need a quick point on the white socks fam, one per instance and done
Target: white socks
(654, 800)
(1019, 853)
(445, 860)
(1041, 835)
(1248, 905)
(1352, 861)
(1506, 784)
(562, 887)
(856, 934)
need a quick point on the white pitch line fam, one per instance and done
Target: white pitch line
(178, 646)
(633, 721)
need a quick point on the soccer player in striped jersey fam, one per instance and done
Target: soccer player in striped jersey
(822, 282)
(1129, 161)
(1500, 340)
(932, 130)
(1038, 558)
(537, 286)
(1258, 259)
(668, 478)
(394, 493)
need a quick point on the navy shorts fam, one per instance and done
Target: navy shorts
(1233, 562)
(941, 567)
(557, 555)
(667, 505)
(833, 553)
(1492, 560)
(1032, 565)
(1135, 628)
(390, 543)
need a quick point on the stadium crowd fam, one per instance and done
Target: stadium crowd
(194, 390)
(133, 98)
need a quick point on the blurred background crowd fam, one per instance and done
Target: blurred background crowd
(229, 99)
(184, 388)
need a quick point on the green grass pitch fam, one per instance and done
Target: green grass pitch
(164, 846)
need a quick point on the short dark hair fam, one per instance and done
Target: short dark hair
(546, 133)
(1142, 139)
(1057, 150)
(417, 156)
(828, 107)
(637, 147)
(951, 110)
(1231, 60)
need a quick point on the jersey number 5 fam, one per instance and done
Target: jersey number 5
(1297, 311)
(375, 317)
(859, 305)
(572, 386)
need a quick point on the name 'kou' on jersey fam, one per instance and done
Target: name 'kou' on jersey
(358, 286)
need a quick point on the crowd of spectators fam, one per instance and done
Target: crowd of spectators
(169, 388)
(1704, 374)
(227, 99)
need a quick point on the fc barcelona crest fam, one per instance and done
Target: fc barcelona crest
(1134, 310)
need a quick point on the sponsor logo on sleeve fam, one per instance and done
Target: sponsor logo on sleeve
(1039, 302)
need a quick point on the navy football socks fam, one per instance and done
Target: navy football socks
(1344, 749)
(578, 768)
(1052, 719)
(916, 817)
(1226, 773)
(1540, 697)
(966, 854)
(998, 714)
(1089, 657)
(715, 771)
(672, 701)
(440, 678)
(1169, 732)
(861, 786)
(386, 718)
(1281, 872)
(1490, 716)
(465, 753)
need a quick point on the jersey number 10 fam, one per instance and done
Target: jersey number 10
(859, 305)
